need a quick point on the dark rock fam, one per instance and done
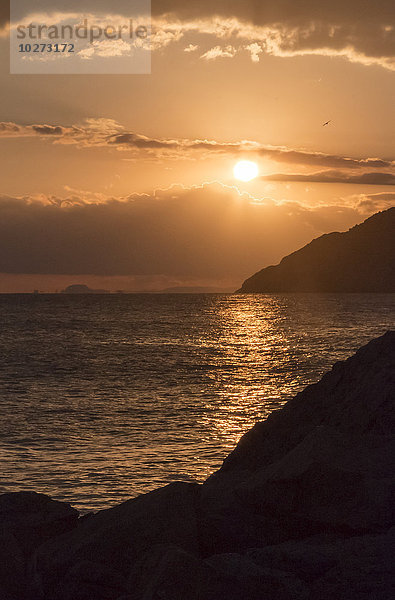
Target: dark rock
(115, 538)
(87, 580)
(169, 573)
(13, 585)
(259, 582)
(27, 520)
(34, 518)
(364, 571)
(348, 568)
(356, 568)
(306, 560)
(359, 260)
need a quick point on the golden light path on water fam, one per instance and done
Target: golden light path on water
(247, 338)
(107, 397)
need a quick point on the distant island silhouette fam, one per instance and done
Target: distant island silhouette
(79, 288)
(359, 260)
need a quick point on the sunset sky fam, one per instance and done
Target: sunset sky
(126, 181)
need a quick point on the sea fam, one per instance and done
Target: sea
(104, 397)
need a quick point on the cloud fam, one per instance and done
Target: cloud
(47, 130)
(319, 158)
(107, 133)
(161, 37)
(133, 140)
(210, 231)
(218, 52)
(358, 30)
(12, 130)
(191, 48)
(367, 204)
(255, 50)
(9, 129)
(93, 132)
(106, 48)
(265, 12)
(373, 178)
(4, 16)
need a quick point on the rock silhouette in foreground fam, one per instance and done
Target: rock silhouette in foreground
(301, 509)
(359, 260)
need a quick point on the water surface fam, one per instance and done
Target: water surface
(105, 397)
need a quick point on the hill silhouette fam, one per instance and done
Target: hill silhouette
(359, 260)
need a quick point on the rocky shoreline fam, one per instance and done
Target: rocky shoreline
(302, 508)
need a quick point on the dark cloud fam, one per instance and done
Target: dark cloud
(204, 232)
(265, 12)
(282, 155)
(261, 12)
(4, 13)
(134, 140)
(352, 27)
(8, 128)
(320, 159)
(375, 178)
(361, 30)
(47, 130)
(108, 133)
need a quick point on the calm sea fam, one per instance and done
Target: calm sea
(105, 397)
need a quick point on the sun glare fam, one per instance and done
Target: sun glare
(245, 170)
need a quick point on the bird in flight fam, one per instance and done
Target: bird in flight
(327, 123)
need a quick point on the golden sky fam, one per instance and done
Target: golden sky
(127, 180)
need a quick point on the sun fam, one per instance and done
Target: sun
(245, 170)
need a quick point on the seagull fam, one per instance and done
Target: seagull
(327, 123)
